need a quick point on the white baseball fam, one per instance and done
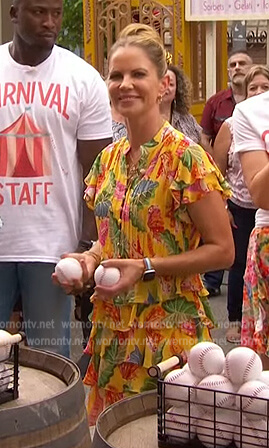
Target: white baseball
(179, 424)
(206, 358)
(186, 367)
(68, 269)
(4, 378)
(106, 276)
(220, 431)
(242, 364)
(264, 378)
(221, 393)
(253, 433)
(5, 352)
(252, 399)
(179, 392)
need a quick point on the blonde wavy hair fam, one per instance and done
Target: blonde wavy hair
(254, 71)
(146, 38)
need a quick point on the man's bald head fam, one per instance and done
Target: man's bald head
(37, 23)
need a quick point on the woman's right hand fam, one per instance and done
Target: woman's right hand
(88, 265)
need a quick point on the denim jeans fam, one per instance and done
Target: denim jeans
(46, 308)
(213, 279)
(244, 218)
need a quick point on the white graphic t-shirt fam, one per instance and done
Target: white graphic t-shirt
(251, 133)
(44, 110)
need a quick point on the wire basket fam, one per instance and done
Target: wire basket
(9, 376)
(185, 421)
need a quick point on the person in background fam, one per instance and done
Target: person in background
(55, 118)
(220, 106)
(251, 131)
(152, 193)
(176, 103)
(240, 206)
(217, 109)
(118, 125)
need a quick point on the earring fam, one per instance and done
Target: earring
(159, 98)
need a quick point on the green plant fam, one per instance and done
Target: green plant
(71, 35)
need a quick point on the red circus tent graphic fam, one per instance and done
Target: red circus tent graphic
(24, 150)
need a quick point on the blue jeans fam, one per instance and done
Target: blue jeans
(46, 308)
(213, 279)
(244, 218)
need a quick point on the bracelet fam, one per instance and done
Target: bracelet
(86, 244)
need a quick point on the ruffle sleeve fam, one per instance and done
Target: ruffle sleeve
(97, 175)
(91, 182)
(196, 175)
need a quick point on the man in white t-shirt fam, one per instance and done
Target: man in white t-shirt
(54, 119)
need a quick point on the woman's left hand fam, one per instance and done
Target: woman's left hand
(130, 272)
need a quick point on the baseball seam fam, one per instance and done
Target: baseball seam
(102, 276)
(178, 375)
(250, 400)
(220, 427)
(62, 274)
(224, 399)
(220, 432)
(201, 358)
(254, 433)
(249, 366)
(174, 377)
(227, 369)
(66, 277)
(257, 435)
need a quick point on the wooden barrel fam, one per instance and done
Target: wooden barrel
(130, 423)
(50, 411)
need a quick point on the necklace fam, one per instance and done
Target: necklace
(132, 166)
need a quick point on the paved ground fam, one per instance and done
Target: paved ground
(218, 306)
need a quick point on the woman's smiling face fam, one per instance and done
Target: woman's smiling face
(133, 82)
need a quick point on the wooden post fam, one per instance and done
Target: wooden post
(222, 56)
(211, 52)
(89, 31)
(182, 47)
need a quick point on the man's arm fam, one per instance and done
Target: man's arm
(221, 147)
(87, 153)
(255, 166)
(206, 142)
(207, 127)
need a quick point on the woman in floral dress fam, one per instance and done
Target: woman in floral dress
(152, 194)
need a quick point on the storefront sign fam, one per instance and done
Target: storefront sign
(211, 10)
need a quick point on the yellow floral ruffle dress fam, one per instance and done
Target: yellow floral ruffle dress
(146, 216)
